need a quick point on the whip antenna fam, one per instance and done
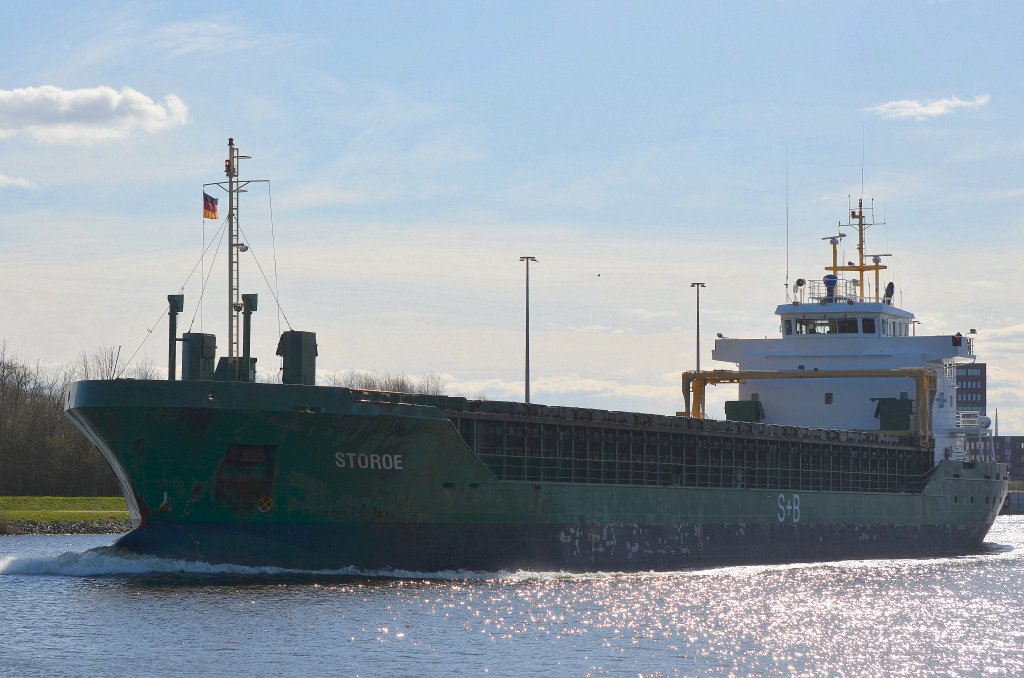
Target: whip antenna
(787, 219)
(862, 144)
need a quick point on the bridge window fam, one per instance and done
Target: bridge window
(825, 326)
(816, 326)
(868, 325)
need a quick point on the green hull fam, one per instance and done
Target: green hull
(320, 477)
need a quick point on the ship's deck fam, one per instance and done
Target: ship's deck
(539, 443)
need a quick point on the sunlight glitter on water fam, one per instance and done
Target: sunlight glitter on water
(944, 615)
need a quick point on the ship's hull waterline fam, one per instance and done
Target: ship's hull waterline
(316, 478)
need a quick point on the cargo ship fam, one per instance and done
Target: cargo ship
(843, 443)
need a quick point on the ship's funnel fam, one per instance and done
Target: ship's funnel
(299, 352)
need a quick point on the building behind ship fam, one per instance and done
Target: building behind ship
(971, 399)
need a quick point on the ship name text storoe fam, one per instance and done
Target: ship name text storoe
(376, 462)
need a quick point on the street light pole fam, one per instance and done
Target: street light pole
(698, 285)
(527, 260)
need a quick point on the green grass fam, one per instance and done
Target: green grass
(63, 509)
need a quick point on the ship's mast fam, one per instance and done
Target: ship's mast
(858, 221)
(236, 300)
(234, 188)
(860, 244)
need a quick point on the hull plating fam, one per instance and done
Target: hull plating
(574, 548)
(310, 477)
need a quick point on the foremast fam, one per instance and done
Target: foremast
(236, 304)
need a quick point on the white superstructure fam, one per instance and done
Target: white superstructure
(839, 324)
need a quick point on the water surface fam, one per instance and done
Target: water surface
(68, 607)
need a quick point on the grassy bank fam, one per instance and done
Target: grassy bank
(20, 515)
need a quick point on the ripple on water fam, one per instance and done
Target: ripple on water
(953, 615)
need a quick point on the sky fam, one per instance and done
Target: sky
(416, 150)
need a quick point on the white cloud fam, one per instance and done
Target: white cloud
(130, 41)
(645, 314)
(549, 389)
(52, 114)
(206, 38)
(334, 193)
(591, 328)
(393, 164)
(1013, 332)
(908, 108)
(16, 182)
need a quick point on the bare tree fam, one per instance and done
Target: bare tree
(100, 363)
(433, 383)
(143, 370)
(40, 450)
(430, 384)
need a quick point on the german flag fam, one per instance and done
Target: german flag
(209, 206)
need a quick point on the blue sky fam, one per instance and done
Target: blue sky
(416, 150)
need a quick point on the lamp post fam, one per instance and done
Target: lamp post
(527, 260)
(698, 285)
